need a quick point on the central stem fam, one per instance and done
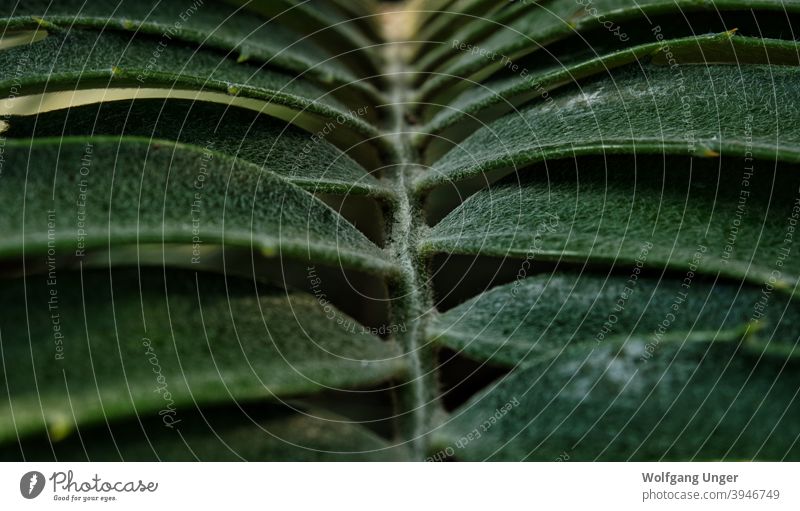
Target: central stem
(412, 300)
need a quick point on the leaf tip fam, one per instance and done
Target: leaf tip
(707, 152)
(59, 428)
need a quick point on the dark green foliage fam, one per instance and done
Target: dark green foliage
(584, 217)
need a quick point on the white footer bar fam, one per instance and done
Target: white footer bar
(400, 486)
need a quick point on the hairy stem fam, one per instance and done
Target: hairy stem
(412, 300)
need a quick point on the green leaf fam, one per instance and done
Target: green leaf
(692, 110)
(175, 172)
(324, 24)
(543, 316)
(308, 161)
(527, 28)
(83, 348)
(450, 17)
(519, 30)
(105, 192)
(469, 29)
(80, 60)
(366, 14)
(258, 435)
(502, 95)
(211, 25)
(690, 401)
(723, 218)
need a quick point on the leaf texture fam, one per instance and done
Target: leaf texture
(78, 60)
(210, 24)
(77, 194)
(712, 111)
(306, 160)
(502, 94)
(691, 401)
(599, 213)
(544, 316)
(528, 27)
(82, 348)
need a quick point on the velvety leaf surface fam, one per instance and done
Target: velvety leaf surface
(502, 94)
(80, 60)
(450, 18)
(694, 110)
(320, 21)
(83, 347)
(84, 193)
(471, 29)
(688, 401)
(528, 27)
(608, 273)
(206, 23)
(305, 160)
(722, 217)
(543, 316)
